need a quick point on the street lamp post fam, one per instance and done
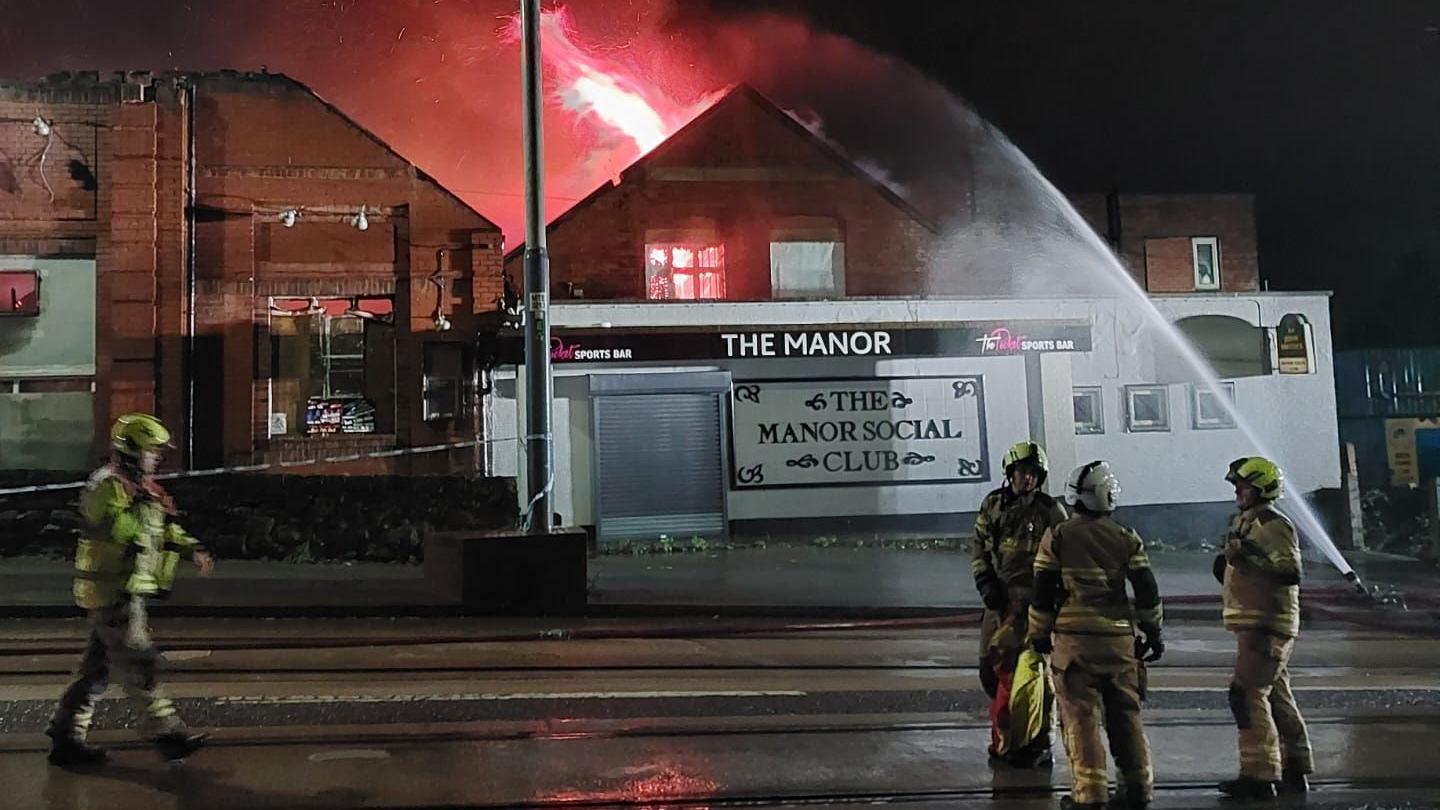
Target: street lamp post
(539, 439)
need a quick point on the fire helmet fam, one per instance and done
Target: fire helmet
(1093, 487)
(135, 433)
(1259, 472)
(1027, 453)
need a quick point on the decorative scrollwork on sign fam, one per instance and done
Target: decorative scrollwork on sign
(969, 468)
(817, 402)
(914, 459)
(747, 393)
(899, 400)
(751, 475)
(966, 388)
(805, 462)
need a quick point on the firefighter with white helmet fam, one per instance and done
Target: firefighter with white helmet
(1082, 617)
(1008, 529)
(1259, 570)
(128, 553)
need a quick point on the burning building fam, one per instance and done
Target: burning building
(755, 336)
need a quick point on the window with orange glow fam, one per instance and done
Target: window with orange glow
(684, 271)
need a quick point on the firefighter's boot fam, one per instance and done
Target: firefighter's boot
(72, 752)
(1293, 783)
(1247, 788)
(176, 746)
(1127, 798)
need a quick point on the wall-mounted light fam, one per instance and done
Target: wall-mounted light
(288, 217)
(360, 221)
(442, 323)
(42, 127)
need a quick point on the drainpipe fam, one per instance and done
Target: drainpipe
(1112, 220)
(190, 272)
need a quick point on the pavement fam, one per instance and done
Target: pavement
(486, 713)
(776, 578)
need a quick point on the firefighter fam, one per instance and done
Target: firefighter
(1260, 571)
(128, 552)
(1008, 529)
(1082, 618)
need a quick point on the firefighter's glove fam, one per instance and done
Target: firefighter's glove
(1218, 569)
(1042, 644)
(992, 593)
(1150, 645)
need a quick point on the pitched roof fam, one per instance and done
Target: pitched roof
(739, 94)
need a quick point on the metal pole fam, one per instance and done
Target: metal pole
(539, 441)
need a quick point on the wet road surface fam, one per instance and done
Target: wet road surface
(334, 714)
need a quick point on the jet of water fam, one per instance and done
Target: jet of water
(1002, 168)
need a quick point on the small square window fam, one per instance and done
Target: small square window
(1207, 411)
(19, 292)
(1205, 251)
(1089, 411)
(1147, 408)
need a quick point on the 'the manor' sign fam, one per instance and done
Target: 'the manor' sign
(968, 339)
(818, 433)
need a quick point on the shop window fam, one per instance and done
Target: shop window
(1205, 255)
(19, 292)
(1089, 411)
(442, 385)
(1147, 408)
(688, 271)
(334, 366)
(1207, 411)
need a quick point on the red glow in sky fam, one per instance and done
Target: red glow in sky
(440, 79)
(587, 84)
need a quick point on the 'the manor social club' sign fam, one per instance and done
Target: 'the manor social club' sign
(817, 433)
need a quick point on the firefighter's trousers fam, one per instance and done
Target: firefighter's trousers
(1001, 642)
(119, 640)
(1273, 738)
(1087, 699)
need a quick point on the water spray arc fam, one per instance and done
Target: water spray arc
(1122, 283)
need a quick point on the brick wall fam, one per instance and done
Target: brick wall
(740, 169)
(261, 143)
(1156, 230)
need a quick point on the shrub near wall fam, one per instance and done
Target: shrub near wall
(295, 518)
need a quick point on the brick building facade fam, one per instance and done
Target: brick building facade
(259, 265)
(748, 188)
(739, 185)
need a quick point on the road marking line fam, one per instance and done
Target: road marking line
(495, 696)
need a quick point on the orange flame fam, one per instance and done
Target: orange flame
(590, 85)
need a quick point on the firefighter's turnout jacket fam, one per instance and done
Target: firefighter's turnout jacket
(131, 544)
(1262, 573)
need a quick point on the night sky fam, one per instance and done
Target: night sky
(1328, 110)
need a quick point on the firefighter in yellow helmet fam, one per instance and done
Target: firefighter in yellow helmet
(128, 553)
(1008, 529)
(1260, 572)
(1083, 619)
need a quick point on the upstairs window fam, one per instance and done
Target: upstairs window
(1205, 253)
(807, 258)
(684, 271)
